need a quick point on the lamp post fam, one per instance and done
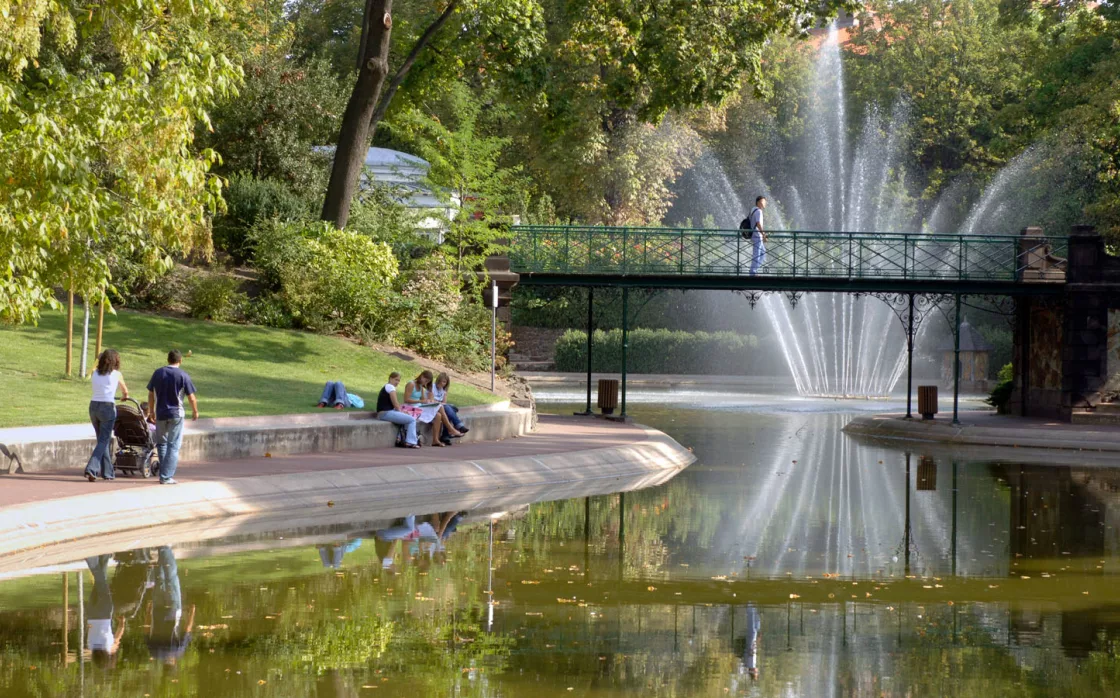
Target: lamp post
(493, 330)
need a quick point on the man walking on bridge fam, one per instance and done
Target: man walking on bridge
(758, 236)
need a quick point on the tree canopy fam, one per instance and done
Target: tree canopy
(98, 106)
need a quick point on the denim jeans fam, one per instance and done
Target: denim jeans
(101, 599)
(401, 420)
(103, 415)
(758, 253)
(452, 413)
(169, 437)
(334, 393)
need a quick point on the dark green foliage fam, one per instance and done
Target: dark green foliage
(285, 109)
(249, 199)
(1000, 397)
(662, 351)
(214, 297)
(1001, 339)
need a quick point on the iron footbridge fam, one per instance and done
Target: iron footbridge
(913, 273)
(800, 261)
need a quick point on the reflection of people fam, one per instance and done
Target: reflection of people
(750, 652)
(169, 635)
(433, 530)
(331, 555)
(101, 640)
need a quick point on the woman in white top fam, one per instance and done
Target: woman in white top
(103, 412)
(418, 394)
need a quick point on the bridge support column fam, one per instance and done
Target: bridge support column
(590, 342)
(910, 357)
(957, 361)
(625, 342)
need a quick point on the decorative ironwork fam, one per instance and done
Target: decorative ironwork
(794, 297)
(899, 303)
(1004, 306)
(790, 254)
(753, 297)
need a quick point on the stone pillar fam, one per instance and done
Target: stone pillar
(1085, 325)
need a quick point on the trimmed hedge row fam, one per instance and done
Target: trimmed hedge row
(660, 351)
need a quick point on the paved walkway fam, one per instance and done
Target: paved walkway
(554, 434)
(992, 430)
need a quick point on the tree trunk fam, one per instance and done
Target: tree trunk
(70, 330)
(100, 325)
(353, 136)
(409, 61)
(85, 338)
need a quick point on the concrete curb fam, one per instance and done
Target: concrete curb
(556, 378)
(30, 527)
(68, 447)
(1026, 436)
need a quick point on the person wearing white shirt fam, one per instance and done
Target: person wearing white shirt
(758, 235)
(103, 412)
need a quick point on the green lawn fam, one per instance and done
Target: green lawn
(238, 370)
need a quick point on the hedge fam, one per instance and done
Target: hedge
(662, 351)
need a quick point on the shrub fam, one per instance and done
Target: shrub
(660, 351)
(214, 297)
(269, 310)
(279, 245)
(249, 200)
(327, 280)
(1000, 397)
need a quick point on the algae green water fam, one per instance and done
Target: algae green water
(790, 560)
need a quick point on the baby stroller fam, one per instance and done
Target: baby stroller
(136, 445)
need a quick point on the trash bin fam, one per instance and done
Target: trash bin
(927, 401)
(608, 395)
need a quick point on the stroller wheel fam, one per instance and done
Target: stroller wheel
(147, 464)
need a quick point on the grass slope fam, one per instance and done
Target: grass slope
(238, 370)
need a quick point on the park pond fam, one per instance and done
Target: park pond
(789, 560)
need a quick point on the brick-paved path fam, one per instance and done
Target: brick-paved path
(554, 434)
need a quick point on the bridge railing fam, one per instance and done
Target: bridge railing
(789, 253)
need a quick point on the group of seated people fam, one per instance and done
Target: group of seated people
(424, 401)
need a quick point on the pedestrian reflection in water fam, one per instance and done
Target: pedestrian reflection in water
(170, 633)
(331, 555)
(425, 538)
(749, 663)
(101, 639)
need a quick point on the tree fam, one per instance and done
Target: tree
(270, 128)
(367, 105)
(594, 131)
(98, 106)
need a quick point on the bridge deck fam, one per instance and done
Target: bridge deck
(795, 260)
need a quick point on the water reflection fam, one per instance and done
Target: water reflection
(749, 574)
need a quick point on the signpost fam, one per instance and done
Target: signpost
(493, 330)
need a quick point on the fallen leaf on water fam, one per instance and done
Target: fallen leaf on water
(651, 588)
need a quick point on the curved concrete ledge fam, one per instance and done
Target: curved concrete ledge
(999, 432)
(65, 447)
(392, 490)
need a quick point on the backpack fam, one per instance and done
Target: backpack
(400, 443)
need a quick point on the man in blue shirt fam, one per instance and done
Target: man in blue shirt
(165, 403)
